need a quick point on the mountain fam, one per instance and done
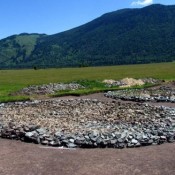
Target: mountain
(128, 36)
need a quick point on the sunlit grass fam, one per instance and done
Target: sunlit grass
(13, 80)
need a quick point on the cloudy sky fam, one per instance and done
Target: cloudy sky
(53, 16)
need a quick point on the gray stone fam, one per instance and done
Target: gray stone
(49, 139)
(28, 134)
(54, 143)
(120, 145)
(123, 135)
(41, 131)
(26, 129)
(33, 127)
(44, 142)
(150, 141)
(163, 138)
(144, 137)
(117, 135)
(36, 140)
(93, 134)
(113, 142)
(102, 136)
(94, 139)
(130, 137)
(134, 141)
(95, 145)
(120, 140)
(80, 138)
(71, 140)
(130, 145)
(64, 142)
(137, 144)
(86, 137)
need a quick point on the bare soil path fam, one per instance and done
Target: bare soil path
(17, 158)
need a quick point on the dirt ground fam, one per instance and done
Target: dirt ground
(17, 158)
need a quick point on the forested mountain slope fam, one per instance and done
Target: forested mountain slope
(127, 36)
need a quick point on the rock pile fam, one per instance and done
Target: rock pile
(162, 94)
(152, 80)
(49, 88)
(87, 123)
(128, 82)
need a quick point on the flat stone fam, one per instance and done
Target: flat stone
(123, 135)
(86, 137)
(120, 140)
(95, 145)
(36, 140)
(28, 134)
(44, 142)
(117, 135)
(113, 142)
(163, 138)
(150, 141)
(49, 139)
(121, 145)
(103, 144)
(71, 140)
(94, 134)
(130, 137)
(54, 143)
(134, 141)
(137, 144)
(144, 137)
(130, 145)
(94, 139)
(26, 129)
(41, 131)
(58, 134)
(33, 127)
(64, 142)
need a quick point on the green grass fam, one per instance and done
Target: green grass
(95, 89)
(13, 80)
(6, 90)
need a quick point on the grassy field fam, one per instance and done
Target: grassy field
(13, 80)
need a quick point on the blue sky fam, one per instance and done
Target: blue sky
(53, 16)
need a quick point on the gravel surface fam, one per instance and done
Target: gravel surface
(87, 123)
(163, 93)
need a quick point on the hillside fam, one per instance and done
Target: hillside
(128, 36)
(17, 49)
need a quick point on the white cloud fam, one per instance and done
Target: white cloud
(142, 2)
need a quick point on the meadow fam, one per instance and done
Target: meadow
(13, 80)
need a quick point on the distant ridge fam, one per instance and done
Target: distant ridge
(127, 36)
